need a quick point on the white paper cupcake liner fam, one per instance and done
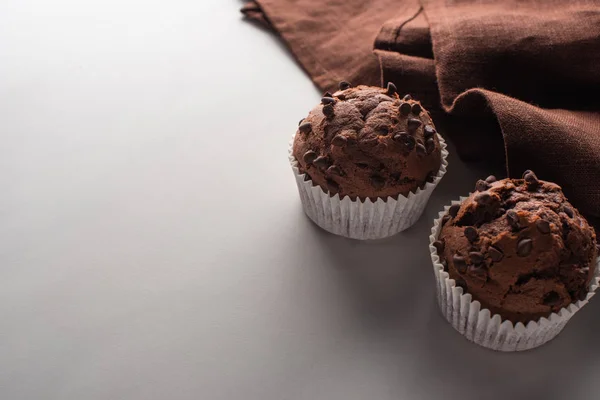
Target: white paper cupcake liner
(368, 219)
(479, 326)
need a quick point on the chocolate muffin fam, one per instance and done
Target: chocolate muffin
(366, 142)
(519, 248)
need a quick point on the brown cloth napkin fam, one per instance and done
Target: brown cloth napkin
(514, 81)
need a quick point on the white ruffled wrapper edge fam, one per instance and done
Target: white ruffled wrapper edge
(368, 219)
(479, 326)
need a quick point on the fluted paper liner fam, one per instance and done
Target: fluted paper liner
(478, 325)
(368, 219)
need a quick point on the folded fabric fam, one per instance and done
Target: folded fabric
(513, 81)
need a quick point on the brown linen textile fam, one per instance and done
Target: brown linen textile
(516, 81)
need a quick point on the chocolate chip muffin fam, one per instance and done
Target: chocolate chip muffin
(367, 142)
(519, 248)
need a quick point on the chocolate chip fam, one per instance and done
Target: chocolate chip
(439, 246)
(543, 226)
(453, 210)
(459, 282)
(500, 211)
(391, 89)
(471, 233)
(476, 257)
(430, 176)
(309, 156)
(428, 131)
(406, 140)
(327, 94)
(513, 219)
(339, 141)
(345, 85)
(495, 254)
(328, 110)
(481, 186)
(377, 181)
(407, 97)
(459, 263)
(307, 177)
(305, 127)
(300, 123)
(484, 199)
(413, 124)
(477, 270)
(334, 170)
(332, 185)
(445, 219)
(569, 211)
(524, 247)
(531, 181)
(404, 109)
(327, 100)
(491, 179)
(321, 162)
(416, 109)
(552, 299)
(527, 171)
(421, 150)
(429, 145)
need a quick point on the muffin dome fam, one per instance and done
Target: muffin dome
(367, 142)
(519, 248)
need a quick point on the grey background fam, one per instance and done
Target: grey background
(153, 245)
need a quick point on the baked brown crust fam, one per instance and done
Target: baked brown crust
(367, 142)
(519, 247)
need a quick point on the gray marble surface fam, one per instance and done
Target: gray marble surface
(153, 245)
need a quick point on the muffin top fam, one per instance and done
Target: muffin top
(366, 142)
(519, 247)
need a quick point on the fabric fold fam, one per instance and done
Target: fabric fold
(510, 82)
(332, 41)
